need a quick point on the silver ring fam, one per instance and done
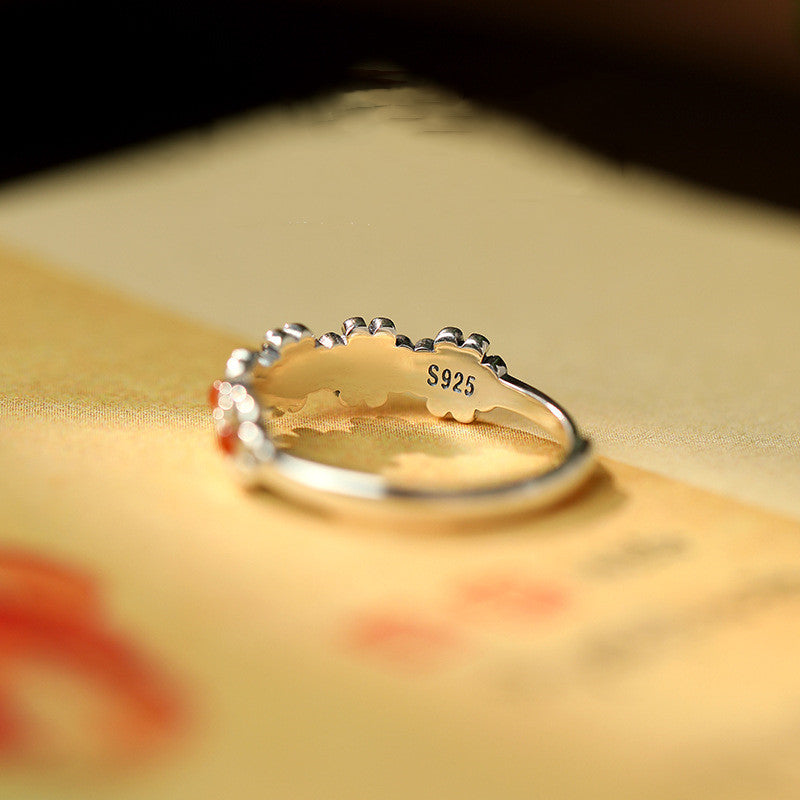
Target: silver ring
(365, 365)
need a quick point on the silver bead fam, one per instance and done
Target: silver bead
(330, 340)
(251, 434)
(449, 335)
(278, 337)
(268, 356)
(477, 342)
(354, 326)
(496, 364)
(424, 346)
(403, 341)
(239, 364)
(247, 408)
(381, 325)
(297, 331)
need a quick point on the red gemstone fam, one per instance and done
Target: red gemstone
(226, 439)
(213, 394)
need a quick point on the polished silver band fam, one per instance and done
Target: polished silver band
(365, 365)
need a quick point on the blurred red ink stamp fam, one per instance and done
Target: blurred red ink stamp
(73, 688)
(510, 597)
(403, 638)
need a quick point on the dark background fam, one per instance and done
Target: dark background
(86, 78)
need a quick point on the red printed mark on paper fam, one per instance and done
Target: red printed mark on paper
(403, 638)
(510, 598)
(458, 622)
(70, 686)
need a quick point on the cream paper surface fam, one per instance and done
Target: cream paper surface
(662, 316)
(163, 634)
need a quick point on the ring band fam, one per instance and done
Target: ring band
(364, 366)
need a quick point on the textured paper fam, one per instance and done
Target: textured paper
(640, 641)
(661, 315)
